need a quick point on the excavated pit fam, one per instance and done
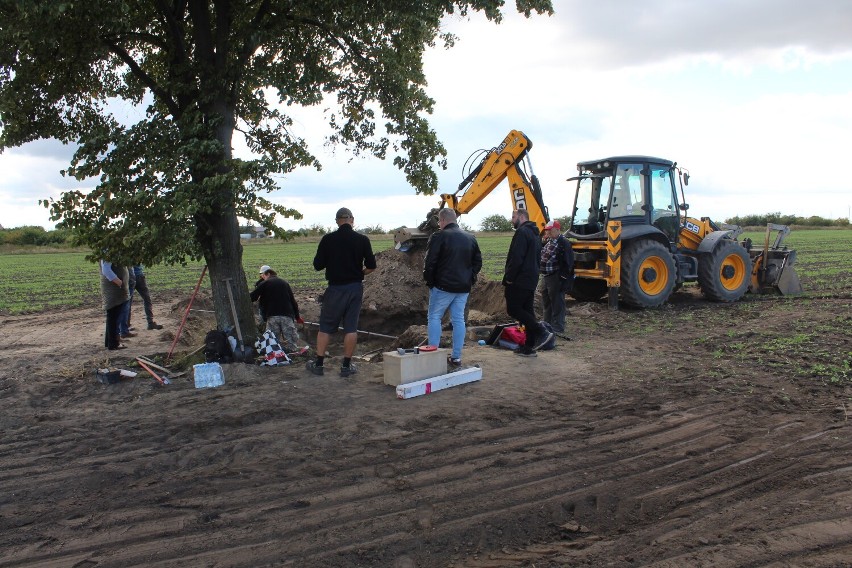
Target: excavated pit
(396, 297)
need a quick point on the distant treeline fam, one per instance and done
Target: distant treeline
(34, 235)
(779, 219)
(38, 236)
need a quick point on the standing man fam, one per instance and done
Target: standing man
(346, 257)
(554, 276)
(141, 285)
(115, 292)
(452, 262)
(279, 307)
(124, 331)
(521, 279)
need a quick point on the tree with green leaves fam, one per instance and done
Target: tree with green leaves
(168, 187)
(496, 223)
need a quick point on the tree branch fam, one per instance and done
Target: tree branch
(146, 79)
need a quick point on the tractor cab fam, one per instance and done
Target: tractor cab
(635, 190)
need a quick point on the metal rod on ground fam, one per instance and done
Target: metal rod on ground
(185, 315)
(169, 373)
(163, 381)
(358, 330)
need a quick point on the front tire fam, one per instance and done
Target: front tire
(724, 274)
(648, 274)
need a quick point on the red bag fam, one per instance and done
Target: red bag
(514, 334)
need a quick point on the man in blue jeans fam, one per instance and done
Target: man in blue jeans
(453, 260)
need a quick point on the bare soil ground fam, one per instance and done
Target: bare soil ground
(674, 437)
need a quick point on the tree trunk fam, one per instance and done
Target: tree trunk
(224, 255)
(219, 235)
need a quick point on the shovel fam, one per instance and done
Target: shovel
(242, 353)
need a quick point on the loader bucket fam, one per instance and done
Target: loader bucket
(777, 273)
(788, 283)
(773, 266)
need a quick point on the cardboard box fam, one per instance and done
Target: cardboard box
(400, 369)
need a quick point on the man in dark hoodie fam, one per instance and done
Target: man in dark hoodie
(521, 279)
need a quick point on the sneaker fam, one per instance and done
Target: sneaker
(128, 334)
(347, 371)
(131, 328)
(453, 362)
(154, 325)
(525, 351)
(547, 336)
(314, 368)
(119, 346)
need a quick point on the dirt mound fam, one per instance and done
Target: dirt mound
(396, 297)
(487, 298)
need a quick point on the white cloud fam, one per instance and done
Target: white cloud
(753, 96)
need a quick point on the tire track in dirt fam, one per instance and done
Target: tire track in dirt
(342, 510)
(268, 472)
(545, 447)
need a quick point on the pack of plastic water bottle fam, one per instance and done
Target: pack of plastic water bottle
(208, 375)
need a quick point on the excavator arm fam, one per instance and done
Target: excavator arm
(502, 162)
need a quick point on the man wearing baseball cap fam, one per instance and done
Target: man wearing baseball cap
(346, 257)
(278, 307)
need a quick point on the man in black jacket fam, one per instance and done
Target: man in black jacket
(453, 260)
(347, 257)
(278, 305)
(521, 279)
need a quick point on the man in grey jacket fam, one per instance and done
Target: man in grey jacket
(115, 291)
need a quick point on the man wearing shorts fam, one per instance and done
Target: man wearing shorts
(346, 257)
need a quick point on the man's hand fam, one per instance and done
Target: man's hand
(300, 320)
(117, 281)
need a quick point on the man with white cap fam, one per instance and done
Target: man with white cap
(278, 306)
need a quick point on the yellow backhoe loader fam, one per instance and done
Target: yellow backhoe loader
(503, 162)
(632, 239)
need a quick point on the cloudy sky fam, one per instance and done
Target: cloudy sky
(753, 97)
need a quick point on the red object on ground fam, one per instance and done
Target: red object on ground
(428, 348)
(152, 373)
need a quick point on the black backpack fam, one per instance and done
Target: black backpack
(217, 349)
(566, 263)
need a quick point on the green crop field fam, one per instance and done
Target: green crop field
(34, 281)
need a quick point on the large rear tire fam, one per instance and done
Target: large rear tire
(725, 273)
(588, 289)
(648, 274)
